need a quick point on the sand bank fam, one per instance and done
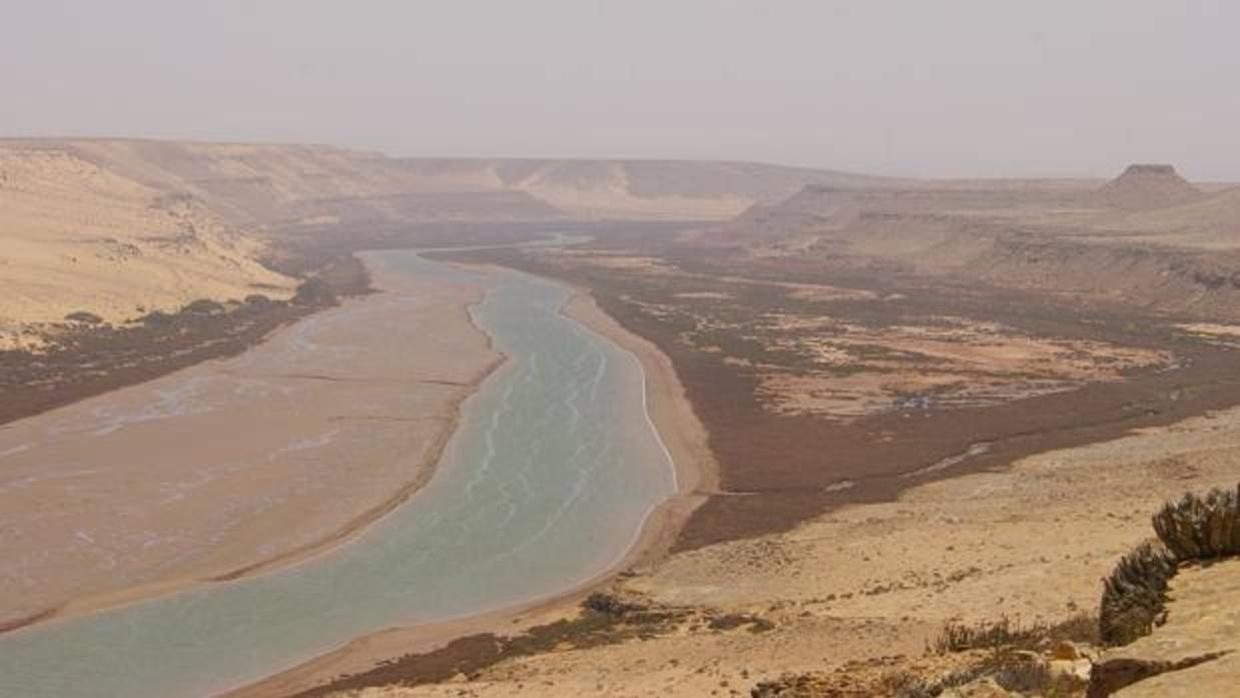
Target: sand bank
(237, 466)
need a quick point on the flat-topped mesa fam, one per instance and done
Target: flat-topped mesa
(1138, 168)
(1148, 185)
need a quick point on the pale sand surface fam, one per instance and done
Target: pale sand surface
(685, 438)
(866, 581)
(232, 466)
(75, 236)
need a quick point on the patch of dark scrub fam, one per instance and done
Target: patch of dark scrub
(786, 463)
(86, 357)
(604, 619)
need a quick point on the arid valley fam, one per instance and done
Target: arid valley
(863, 435)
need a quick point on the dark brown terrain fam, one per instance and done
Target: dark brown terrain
(782, 464)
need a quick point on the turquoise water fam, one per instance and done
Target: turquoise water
(547, 481)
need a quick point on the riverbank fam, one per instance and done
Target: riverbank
(348, 432)
(854, 597)
(1021, 534)
(685, 440)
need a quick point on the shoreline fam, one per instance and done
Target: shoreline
(683, 436)
(172, 585)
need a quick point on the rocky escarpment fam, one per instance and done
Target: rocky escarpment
(1204, 283)
(1173, 607)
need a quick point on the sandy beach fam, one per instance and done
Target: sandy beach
(354, 404)
(696, 471)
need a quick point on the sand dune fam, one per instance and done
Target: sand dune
(77, 237)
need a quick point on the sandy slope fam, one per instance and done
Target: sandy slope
(74, 236)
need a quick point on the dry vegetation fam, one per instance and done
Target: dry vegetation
(850, 349)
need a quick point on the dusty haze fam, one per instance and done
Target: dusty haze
(904, 88)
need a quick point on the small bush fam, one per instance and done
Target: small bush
(1198, 527)
(1009, 634)
(610, 605)
(157, 318)
(84, 317)
(731, 621)
(203, 306)
(314, 291)
(1201, 527)
(1134, 594)
(1023, 676)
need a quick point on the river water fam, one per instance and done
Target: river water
(546, 483)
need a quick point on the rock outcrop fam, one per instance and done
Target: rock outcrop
(1174, 606)
(1195, 653)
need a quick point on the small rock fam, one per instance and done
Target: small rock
(1067, 649)
(1074, 668)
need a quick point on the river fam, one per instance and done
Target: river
(545, 484)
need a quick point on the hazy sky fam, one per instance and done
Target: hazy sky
(987, 87)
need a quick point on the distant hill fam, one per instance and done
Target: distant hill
(1148, 186)
(75, 236)
(121, 227)
(638, 188)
